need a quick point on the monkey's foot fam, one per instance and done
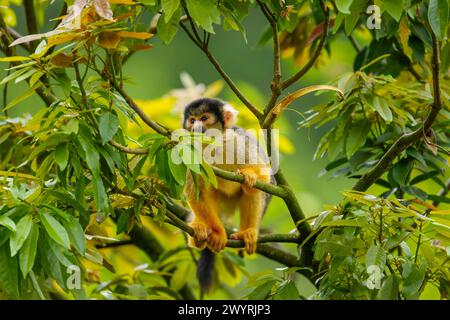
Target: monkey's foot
(217, 240)
(193, 243)
(249, 236)
(250, 177)
(201, 233)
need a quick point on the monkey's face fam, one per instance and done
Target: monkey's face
(204, 114)
(202, 122)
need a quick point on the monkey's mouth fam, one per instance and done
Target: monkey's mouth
(198, 129)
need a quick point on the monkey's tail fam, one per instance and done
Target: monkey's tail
(205, 270)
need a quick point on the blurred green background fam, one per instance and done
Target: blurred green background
(155, 72)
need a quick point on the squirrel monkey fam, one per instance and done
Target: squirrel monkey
(239, 152)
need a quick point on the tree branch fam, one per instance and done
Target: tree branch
(152, 124)
(16, 35)
(316, 55)
(30, 14)
(227, 175)
(407, 139)
(224, 75)
(126, 149)
(7, 35)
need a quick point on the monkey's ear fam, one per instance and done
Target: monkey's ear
(229, 116)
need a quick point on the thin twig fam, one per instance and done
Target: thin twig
(275, 86)
(316, 55)
(224, 75)
(227, 175)
(409, 138)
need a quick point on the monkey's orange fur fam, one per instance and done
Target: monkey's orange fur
(207, 223)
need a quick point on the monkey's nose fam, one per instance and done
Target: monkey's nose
(197, 127)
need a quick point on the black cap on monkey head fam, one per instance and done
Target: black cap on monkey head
(224, 113)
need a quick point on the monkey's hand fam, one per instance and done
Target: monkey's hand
(250, 177)
(217, 240)
(201, 234)
(249, 236)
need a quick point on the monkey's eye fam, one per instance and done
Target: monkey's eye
(204, 118)
(192, 120)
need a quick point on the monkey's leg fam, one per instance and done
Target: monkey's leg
(251, 208)
(206, 224)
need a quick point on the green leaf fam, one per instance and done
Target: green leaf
(180, 276)
(53, 140)
(169, 7)
(168, 30)
(8, 223)
(148, 2)
(13, 75)
(28, 253)
(93, 162)
(62, 155)
(108, 126)
(356, 136)
(381, 106)
(23, 96)
(438, 17)
(210, 174)
(413, 279)
(122, 223)
(401, 170)
(352, 19)
(394, 8)
(67, 199)
(35, 77)
(376, 256)
(18, 238)
(162, 165)
(204, 13)
(178, 170)
(9, 273)
(230, 21)
(64, 80)
(389, 289)
(345, 223)
(262, 292)
(288, 291)
(55, 230)
(24, 76)
(344, 5)
(335, 248)
(396, 239)
(76, 234)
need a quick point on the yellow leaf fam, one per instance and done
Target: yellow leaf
(404, 32)
(61, 38)
(109, 40)
(17, 174)
(14, 58)
(441, 212)
(135, 35)
(286, 101)
(140, 46)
